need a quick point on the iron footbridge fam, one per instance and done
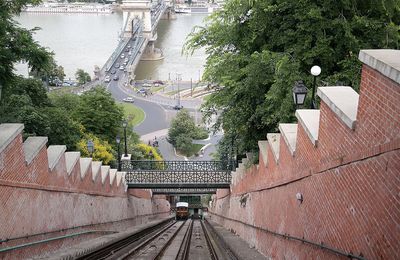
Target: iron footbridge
(178, 175)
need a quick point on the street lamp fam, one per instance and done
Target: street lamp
(315, 71)
(178, 78)
(118, 140)
(299, 93)
(90, 147)
(124, 125)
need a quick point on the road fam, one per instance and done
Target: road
(155, 115)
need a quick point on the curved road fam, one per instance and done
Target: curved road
(155, 115)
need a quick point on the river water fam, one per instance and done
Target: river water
(85, 40)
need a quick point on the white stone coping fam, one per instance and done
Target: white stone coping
(274, 143)
(262, 146)
(126, 158)
(343, 101)
(289, 133)
(85, 164)
(119, 177)
(32, 147)
(8, 132)
(95, 169)
(71, 158)
(104, 173)
(386, 61)
(54, 154)
(309, 120)
(113, 174)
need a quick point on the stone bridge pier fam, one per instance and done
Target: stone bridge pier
(148, 14)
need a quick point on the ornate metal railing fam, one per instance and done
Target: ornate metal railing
(177, 174)
(184, 191)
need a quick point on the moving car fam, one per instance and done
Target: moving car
(107, 79)
(116, 77)
(116, 65)
(128, 99)
(113, 72)
(122, 56)
(122, 67)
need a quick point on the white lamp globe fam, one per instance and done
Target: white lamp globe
(316, 70)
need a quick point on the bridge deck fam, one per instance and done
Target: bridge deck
(177, 174)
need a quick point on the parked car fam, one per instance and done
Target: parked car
(122, 56)
(176, 107)
(129, 46)
(159, 82)
(116, 65)
(122, 67)
(128, 99)
(113, 72)
(116, 77)
(126, 60)
(107, 79)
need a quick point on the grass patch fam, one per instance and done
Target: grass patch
(207, 97)
(64, 90)
(194, 149)
(134, 114)
(171, 93)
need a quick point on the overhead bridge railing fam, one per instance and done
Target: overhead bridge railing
(178, 174)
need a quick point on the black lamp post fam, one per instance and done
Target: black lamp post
(118, 140)
(90, 147)
(299, 93)
(315, 71)
(124, 125)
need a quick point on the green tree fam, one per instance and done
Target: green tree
(82, 76)
(99, 114)
(17, 44)
(183, 124)
(62, 129)
(256, 50)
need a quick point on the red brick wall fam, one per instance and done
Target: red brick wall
(350, 183)
(35, 200)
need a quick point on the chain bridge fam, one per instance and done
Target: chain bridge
(178, 177)
(138, 34)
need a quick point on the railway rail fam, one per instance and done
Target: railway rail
(178, 240)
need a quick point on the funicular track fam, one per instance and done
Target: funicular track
(179, 240)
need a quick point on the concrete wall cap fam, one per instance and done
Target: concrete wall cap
(274, 143)
(262, 146)
(105, 170)
(309, 120)
(71, 158)
(54, 154)
(386, 61)
(289, 134)
(8, 132)
(32, 147)
(343, 101)
(85, 164)
(113, 173)
(95, 169)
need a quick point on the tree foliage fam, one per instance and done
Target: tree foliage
(103, 151)
(257, 49)
(82, 76)
(99, 114)
(184, 125)
(17, 44)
